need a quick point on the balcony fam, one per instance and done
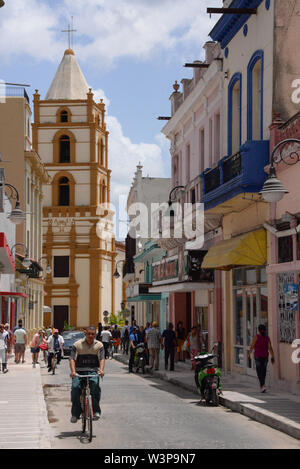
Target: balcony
(236, 174)
(140, 292)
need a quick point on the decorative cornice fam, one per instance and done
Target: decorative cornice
(37, 166)
(229, 25)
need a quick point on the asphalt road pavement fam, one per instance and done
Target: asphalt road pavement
(144, 412)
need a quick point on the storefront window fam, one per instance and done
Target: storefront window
(251, 276)
(248, 309)
(250, 303)
(285, 249)
(298, 246)
(239, 355)
(237, 276)
(263, 275)
(239, 317)
(264, 306)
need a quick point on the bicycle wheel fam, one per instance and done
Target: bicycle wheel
(53, 365)
(83, 413)
(89, 417)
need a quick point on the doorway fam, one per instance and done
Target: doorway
(250, 300)
(61, 314)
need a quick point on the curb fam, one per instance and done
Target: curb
(265, 417)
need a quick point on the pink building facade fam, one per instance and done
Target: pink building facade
(284, 260)
(195, 133)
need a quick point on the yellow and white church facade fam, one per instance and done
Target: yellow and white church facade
(70, 135)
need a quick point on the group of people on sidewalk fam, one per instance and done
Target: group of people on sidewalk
(17, 339)
(190, 344)
(169, 341)
(9, 339)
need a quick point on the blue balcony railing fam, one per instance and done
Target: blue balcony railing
(235, 174)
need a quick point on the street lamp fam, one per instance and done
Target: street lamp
(172, 195)
(26, 261)
(273, 190)
(116, 273)
(48, 268)
(16, 215)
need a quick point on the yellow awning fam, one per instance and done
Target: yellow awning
(247, 249)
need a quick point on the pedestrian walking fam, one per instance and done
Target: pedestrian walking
(180, 337)
(20, 323)
(133, 324)
(105, 339)
(3, 348)
(116, 335)
(55, 344)
(261, 344)
(169, 344)
(20, 339)
(9, 340)
(49, 331)
(100, 328)
(194, 339)
(133, 341)
(153, 338)
(125, 337)
(37, 339)
(141, 334)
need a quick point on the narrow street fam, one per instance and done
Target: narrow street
(144, 412)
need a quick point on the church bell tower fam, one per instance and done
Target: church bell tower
(70, 135)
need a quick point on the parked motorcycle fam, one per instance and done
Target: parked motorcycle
(208, 378)
(140, 357)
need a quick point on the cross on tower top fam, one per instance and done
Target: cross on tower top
(70, 30)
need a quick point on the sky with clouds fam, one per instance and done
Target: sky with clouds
(130, 51)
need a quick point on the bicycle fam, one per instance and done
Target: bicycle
(87, 407)
(54, 362)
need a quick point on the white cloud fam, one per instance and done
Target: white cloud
(106, 30)
(100, 94)
(124, 156)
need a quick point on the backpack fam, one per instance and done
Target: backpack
(126, 334)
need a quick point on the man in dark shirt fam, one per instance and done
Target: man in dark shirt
(169, 344)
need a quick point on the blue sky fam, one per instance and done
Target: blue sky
(130, 51)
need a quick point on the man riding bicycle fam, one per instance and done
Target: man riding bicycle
(87, 358)
(55, 345)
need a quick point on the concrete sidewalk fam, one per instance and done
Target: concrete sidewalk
(23, 415)
(279, 410)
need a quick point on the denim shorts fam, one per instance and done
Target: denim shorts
(35, 349)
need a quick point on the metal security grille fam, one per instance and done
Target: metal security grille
(212, 180)
(286, 313)
(232, 167)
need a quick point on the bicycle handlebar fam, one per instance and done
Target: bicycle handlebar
(86, 376)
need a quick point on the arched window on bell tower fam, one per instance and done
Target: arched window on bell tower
(64, 149)
(64, 191)
(63, 115)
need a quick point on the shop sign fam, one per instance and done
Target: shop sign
(291, 296)
(165, 270)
